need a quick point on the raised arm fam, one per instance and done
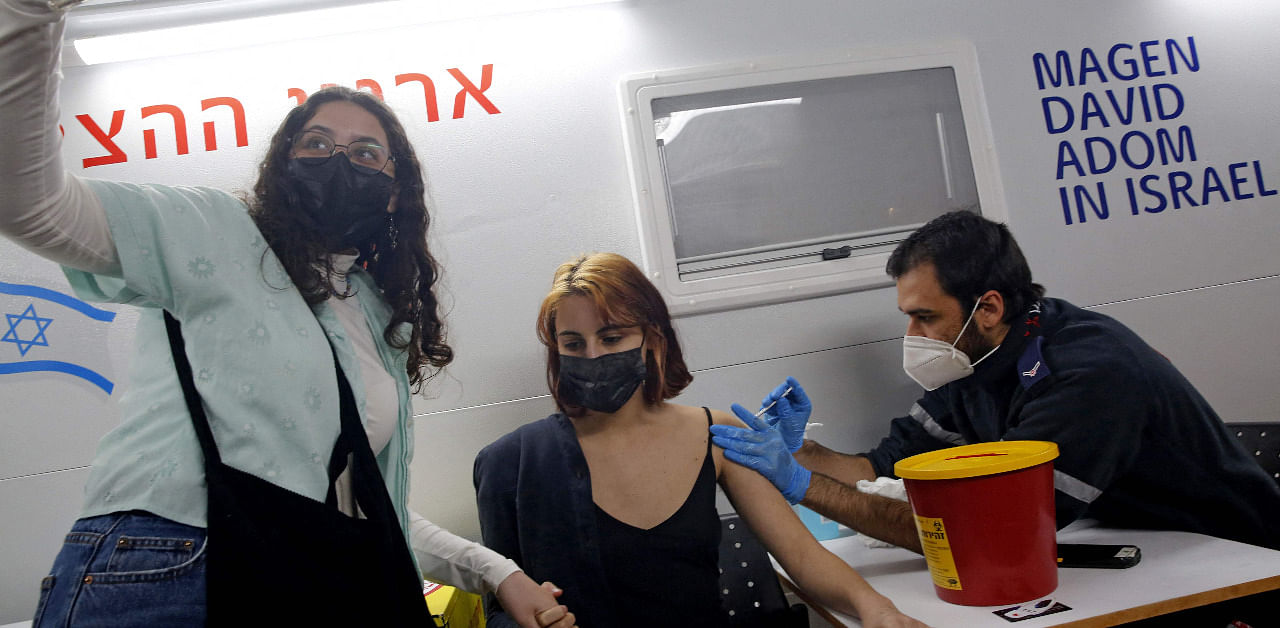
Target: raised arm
(816, 570)
(42, 208)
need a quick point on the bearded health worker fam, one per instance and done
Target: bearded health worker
(1139, 447)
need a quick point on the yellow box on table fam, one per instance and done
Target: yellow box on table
(452, 607)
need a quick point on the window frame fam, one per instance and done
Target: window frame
(775, 285)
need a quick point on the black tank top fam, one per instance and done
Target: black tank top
(669, 574)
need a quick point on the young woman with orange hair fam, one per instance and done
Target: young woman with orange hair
(613, 497)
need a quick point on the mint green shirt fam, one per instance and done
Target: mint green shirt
(259, 354)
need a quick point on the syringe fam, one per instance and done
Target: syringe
(773, 403)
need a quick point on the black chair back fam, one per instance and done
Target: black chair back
(1262, 442)
(749, 589)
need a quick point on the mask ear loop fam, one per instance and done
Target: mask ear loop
(966, 324)
(976, 304)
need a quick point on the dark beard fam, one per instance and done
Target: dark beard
(973, 344)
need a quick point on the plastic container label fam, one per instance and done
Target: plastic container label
(937, 552)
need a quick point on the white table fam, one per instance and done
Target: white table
(1178, 570)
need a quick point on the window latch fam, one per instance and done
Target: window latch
(838, 253)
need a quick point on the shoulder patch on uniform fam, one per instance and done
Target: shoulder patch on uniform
(1031, 366)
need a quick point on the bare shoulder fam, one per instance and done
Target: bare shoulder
(722, 417)
(718, 417)
(694, 414)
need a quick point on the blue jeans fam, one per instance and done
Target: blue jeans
(126, 569)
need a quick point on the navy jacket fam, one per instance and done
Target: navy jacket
(538, 474)
(1138, 445)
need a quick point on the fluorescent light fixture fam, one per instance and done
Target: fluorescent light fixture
(142, 29)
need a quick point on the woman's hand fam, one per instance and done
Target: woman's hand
(886, 615)
(533, 606)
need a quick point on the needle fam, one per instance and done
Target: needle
(773, 403)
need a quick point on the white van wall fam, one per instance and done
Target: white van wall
(541, 176)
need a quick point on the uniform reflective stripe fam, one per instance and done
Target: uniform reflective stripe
(922, 417)
(1074, 487)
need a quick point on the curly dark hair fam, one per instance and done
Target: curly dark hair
(404, 274)
(971, 255)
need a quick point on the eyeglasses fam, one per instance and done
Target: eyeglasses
(316, 144)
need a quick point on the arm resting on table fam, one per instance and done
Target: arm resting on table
(879, 517)
(832, 494)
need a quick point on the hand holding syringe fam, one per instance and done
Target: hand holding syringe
(773, 403)
(791, 418)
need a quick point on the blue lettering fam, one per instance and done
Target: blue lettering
(1121, 63)
(1160, 105)
(1066, 206)
(1179, 183)
(1089, 63)
(1127, 154)
(1144, 183)
(1213, 183)
(1128, 109)
(1099, 207)
(1059, 115)
(1193, 62)
(1048, 114)
(1091, 108)
(1061, 69)
(1067, 157)
(1130, 67)
(1147, 57)
(1262, 186)
(1082, 197)
(1237, 180)
(1133, 196)
(1089, 145)
(1185, 147)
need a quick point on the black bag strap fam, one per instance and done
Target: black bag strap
(349, 439)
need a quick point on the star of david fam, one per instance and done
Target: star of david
(27, 315)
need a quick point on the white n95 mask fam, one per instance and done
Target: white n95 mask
(935, 363)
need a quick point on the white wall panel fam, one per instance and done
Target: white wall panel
(35, 513)
(445, 448)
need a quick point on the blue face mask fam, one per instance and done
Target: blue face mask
(603, 384)
(348, 202)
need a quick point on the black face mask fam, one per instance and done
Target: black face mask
(603, 384)
(349, 202)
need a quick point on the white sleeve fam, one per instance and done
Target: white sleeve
(42, 208)
(449, 559)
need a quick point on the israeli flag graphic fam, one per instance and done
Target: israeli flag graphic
(32, 316)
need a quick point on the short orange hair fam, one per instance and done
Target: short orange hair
(624, 297)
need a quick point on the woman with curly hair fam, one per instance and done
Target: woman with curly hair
(250, 310)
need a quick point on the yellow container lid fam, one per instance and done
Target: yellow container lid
(967, 461)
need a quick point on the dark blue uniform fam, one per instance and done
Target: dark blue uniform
(1138, 446)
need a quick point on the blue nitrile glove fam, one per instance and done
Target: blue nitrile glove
(763, 450)
(790, 414)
